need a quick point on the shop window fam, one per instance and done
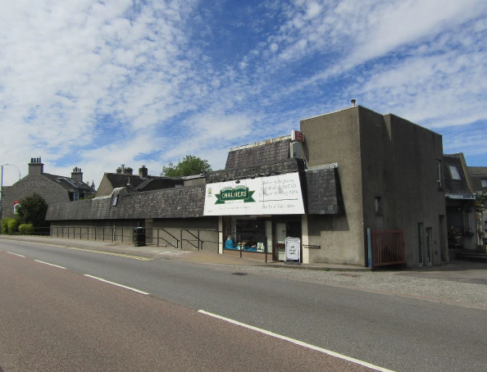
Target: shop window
(249, 235)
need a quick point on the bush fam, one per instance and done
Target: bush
(4, 225)
(13, 225)
(27, 229)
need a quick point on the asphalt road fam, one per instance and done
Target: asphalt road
(394, 332)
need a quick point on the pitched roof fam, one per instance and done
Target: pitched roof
(70, 184)
(180, 202)
(261, 153)
(480, 172)
(139, 183)
(453, 186)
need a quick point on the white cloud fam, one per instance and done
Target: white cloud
(98, 84)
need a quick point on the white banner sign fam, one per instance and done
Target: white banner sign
(259, 196)
(293, 249)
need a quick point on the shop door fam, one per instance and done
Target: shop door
(280, 233)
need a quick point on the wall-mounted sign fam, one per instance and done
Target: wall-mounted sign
(297, 136)
(16, 205)
(293, 249)
(258, 196)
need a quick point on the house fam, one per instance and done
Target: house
(351, 187)
(53, 188)
(134, 183)
(460, 203)
(478, 176)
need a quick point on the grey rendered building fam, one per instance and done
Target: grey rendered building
(355, 170)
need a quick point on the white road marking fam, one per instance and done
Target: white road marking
(16, 254)
(118, 285)
(50, 264)
(297, 342)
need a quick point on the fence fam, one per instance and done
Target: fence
(183, 239)
(388, 248)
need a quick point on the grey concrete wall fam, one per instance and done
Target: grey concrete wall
(378, 172)
(335, 138)
(33, 183)
(415, 151)
(206, 227)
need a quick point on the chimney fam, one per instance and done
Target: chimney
(36, 166)
(127, 170)
(143, 171)
(353, 101)
(77, 175)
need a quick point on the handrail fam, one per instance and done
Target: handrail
(168, 233)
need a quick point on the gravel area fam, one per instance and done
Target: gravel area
(393, 283)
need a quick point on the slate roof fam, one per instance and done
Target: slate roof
(138, 183)
(480, 172)
(267, 152)
(180, 202)
(454, 186)
(324, 191)
(121, 180)
(284, 166)
(70, 184)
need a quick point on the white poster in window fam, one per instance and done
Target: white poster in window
(259, 196)
(293, 249)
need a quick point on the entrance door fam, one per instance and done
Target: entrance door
(280, 233)
(420, 245)
(429, 241)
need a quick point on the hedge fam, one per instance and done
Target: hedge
(27, 229)
(13, 225)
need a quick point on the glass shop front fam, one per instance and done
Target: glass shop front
(260, 235)
(258, 214)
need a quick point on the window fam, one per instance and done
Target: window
(484, 183)
(75, 196)
(438, 172)
(115, 200)
(455, 175)
(377, 205)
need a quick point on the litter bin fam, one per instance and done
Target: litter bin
(139, 236)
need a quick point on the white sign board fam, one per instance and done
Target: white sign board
(293, 249)
(259, 196)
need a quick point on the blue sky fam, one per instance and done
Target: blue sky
(96, 84)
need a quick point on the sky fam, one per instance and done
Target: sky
(96, 84)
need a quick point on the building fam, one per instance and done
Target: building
(478, 176)
(460, 203)
(53, 188)
(134, 183)
(347, 182)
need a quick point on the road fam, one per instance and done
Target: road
(114, 328)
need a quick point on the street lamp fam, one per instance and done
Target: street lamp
(1, 185)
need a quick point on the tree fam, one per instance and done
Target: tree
(189, 166)
(33, 210)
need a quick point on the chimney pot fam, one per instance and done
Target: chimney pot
(353, 101)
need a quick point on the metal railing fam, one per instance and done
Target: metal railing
(36, 231)
(388, 248)
(154, 236)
